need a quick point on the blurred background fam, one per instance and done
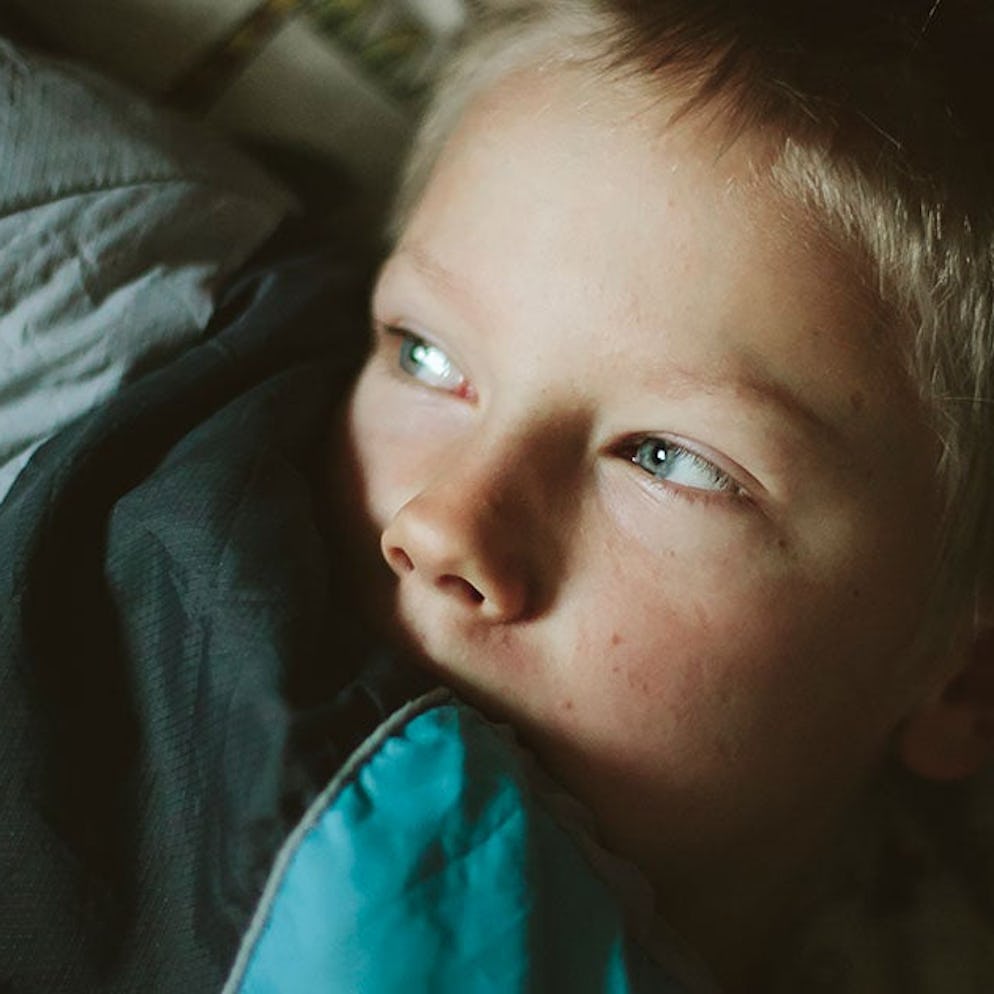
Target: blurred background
(321, 80)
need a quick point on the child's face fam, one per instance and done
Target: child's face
(647, 473)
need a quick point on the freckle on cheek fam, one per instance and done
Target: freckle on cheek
(616, 639)
(637, 682)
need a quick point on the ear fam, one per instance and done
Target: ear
(951, 736)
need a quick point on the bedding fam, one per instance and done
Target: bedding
(433, 863)
(331, 79)
(187, 723)
(118, 223)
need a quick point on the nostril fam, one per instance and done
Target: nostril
(399, 560)
(460, 587)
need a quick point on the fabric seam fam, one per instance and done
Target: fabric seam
(389, 727)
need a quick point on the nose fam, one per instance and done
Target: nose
(424, 547)
(476, 542)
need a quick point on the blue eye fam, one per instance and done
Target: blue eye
(428, 363)
(673, 464)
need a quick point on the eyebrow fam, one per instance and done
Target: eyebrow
(437, 274)
(766, 391)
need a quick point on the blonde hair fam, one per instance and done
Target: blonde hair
(877, 108)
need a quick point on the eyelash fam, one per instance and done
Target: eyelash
(726, 488)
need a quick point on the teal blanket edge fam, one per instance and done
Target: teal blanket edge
(431, 864)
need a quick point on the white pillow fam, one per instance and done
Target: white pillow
(118, 222)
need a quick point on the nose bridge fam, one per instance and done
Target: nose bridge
(519, 471)
(490, 524)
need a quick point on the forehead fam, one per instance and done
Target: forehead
(559, 164)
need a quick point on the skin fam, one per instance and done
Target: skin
(715, 656)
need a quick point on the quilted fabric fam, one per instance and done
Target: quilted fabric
(167, 652)
(432, 866)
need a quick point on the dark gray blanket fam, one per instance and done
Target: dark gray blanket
(172, 686)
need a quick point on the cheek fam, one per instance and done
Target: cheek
(702, 652)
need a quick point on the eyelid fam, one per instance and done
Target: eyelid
(738, 474)
(404, 333)
(743, 485)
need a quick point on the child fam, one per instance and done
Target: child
(672, 451)
(674, 445)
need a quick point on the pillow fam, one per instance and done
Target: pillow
(118, 222)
